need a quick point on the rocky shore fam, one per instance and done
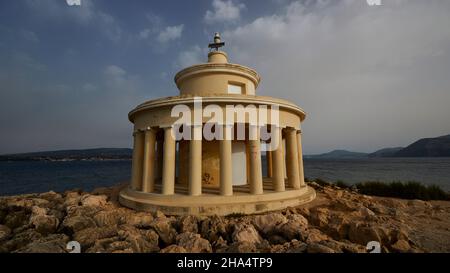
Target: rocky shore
(338, 220)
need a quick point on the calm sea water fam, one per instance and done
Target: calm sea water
(42, 176)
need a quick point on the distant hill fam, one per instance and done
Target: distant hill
(386, 152)
(338, 154)
(427, 147)
(88, 154)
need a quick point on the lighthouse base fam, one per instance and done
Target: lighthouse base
(211, 203)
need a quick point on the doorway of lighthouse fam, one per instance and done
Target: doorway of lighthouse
(239, 159)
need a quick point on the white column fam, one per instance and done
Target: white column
(195, 161)
(159, 158)
(277, 159)
(292, 158)
(138, 153)
(256, 183)
(148, 176)
(300, 158)
(168, 176)
(226, 173)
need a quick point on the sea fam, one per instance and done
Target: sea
(21, 177)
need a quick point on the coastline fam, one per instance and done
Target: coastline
(339, 220)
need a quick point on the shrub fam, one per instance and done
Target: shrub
(342, 184)
(408, 190)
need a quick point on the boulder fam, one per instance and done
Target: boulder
(108, 218)
(214, 227)
(220, 245)
(76, 223)
(193, 243)
(72, 199)
(93, 200)
(4, 232)
(55, 243)
(319, 217)
(338, 226)
(266, 223)
(15, 219)
(295, 227)
(166, 232)
(140, 241)
(139, 220)
(188, 224)
(86, 211)
(173, 249)
(245, 233)
(87, 237)
(240, 247)
(365, 212)
(362, 234)
(343, 246)
(51, 196)
(20, 240)
(318, 248)
(43, 223)
(401, 246)
(296, 247)
(315, 236)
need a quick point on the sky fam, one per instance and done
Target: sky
(368, 77)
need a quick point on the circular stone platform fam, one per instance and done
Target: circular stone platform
(211, 203)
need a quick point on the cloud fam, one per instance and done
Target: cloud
(368, 77)
(224, 11)
(170, 33)
(115, 71)
(86, 15)
(189, 57)
(29, 36)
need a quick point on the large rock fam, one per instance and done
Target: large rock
(72, 199)
(343, 246)
(240, 247)
(43, 223)
(76, 223)
(294, 246)
(245, 233)
(401, 246)
(188, 224)
(140, 241)
(109, 218)
(193, 243)
(319, 248)
(174, 249)
(338, 226)
(295, 228)
(319, 217)
(139, 219)
(16, 219)
(266, 223)
(52, 197)
(87, 237)
(165, 230)
(214, 227)
(55, 243)
(362, 234)
(315, 236)
(20, 240)
(4, 232)
(86, 211)
(93, 200)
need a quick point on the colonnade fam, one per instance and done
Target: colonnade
(149, 151)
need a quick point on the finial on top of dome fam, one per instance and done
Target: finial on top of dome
(217, 42)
